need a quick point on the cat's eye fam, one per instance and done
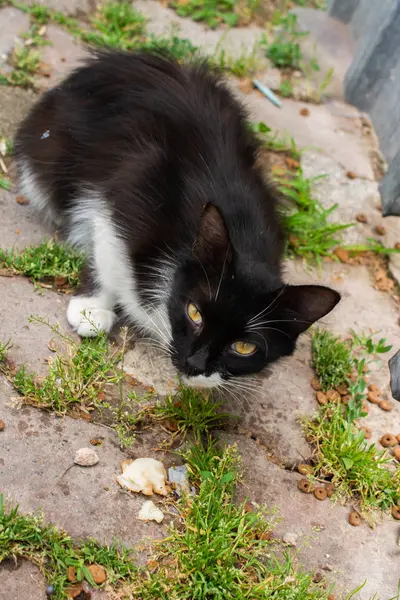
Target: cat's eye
(244, 348)
(194, 314)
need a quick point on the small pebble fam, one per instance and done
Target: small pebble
(49, 590)
(86, 457)
(318, 577)
(290, 538)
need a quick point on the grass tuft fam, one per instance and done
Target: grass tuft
(53, 551)
(75, 379)
(331, 359)
(357, 470)
(48, 261)
(191, 410)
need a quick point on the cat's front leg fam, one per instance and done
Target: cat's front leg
(91, 310)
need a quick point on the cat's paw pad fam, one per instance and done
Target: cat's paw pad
(89, 321)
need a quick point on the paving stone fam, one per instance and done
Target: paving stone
(13, 22)
(21, 581)
(329, 43)
(69, 7)
(14, 106)
(356, 554)
(20, 226)
(62, 56)
(235, 41)
(29, 341)
(334, 128)
(36, 450)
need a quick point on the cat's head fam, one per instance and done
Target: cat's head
(231, 316)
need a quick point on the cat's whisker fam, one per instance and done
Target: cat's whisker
(259, 325)
(275, 299)
(222, 273)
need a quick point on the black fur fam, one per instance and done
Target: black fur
(171, 152)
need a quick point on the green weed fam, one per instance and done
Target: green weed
(285, 50)
(310, 234)
(5, 182)
(116, 25)
(75, 378)
(47, 261)
(26, 63)
(53, 551)
(4, 348)
(275, 141)
(331, 359)
(357, 470)
(191, 410)
(211, 12)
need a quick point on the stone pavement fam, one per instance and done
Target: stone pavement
(36, 448)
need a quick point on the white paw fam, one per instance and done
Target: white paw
(88, 318)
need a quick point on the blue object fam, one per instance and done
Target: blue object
(267, 93)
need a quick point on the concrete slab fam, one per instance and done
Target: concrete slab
(334, 128)
(236, 42)
(20, 226)
(21, 581)
(14, 105)
(13, 23)
(69, 7)
(344, 555)
(36, 451)
(29, 341)
(329, 43)
(62, 56)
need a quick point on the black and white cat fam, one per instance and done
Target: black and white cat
(149, 166)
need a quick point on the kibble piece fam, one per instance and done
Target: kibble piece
(346, 399)
(304, 486)
(342, 389)
(388, 440)
(321, 398)
(331, 597)
(385, 405)
(365, 407)
(361, 218)
(396, 512)
(396, 453)
(330, 490)
(333, 396)
(374, 388)
(380, 230)
(2, 425)
(354, 519)
(318, 577)
(398, 437)
(320, 493)
(367, 432)
(315, 384)
(373, 397)
(305, 469)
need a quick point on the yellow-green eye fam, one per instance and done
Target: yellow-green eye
(244, 348)
(194, 314)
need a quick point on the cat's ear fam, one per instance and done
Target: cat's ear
(212, 243)
(303, 305)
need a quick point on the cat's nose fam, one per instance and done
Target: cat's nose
(195, 365)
